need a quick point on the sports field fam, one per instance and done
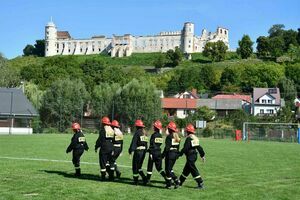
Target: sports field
(37, 167)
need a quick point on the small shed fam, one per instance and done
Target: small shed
(16, 112)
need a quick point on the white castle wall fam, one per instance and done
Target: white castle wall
(127, 44)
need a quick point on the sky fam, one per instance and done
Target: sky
(23, 21)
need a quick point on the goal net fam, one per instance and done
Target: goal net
(286, 132)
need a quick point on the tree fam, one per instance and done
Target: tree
(298, 36)
(174, 57)
(263, 47)
(215, 50)
(63, 103)
(138, 100)
(276, 46)
(37, 50)
(28, 50)
(160, 61)
(34, 94)
(289, 38)
(230, 77)
(103, 97)
(276, 30)
(245, 47)
(204, 113)
(292, 72)
(287, 89)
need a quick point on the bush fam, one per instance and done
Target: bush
(50, 130)
(207, 132)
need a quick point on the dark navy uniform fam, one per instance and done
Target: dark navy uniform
(139, 147)
(105, 143)
(155, 156)
(118, 147)
(78, 145)
(191, 146)
(171, 153)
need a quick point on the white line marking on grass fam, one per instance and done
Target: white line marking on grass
(50, 160)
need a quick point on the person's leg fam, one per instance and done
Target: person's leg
(140, 165)
(168, 172)
(149, 167)
(135, 170)
(158, 165)
(173, 175)
(196, 175)
(103, 165)
(76, 161)
(185, 173)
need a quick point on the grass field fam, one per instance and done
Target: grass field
(234, 170)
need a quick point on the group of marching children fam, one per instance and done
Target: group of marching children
(110, 143)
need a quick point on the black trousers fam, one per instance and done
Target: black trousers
(117, 152)
(137, 162)
(154, 158)
(170, 161)
(105, 160)
(77, 153)
(190, 167)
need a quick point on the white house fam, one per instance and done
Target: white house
(266, 101)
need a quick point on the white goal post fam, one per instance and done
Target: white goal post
(276, 127)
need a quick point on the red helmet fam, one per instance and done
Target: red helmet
(190, 128)
(157, 124)
(115, 123)
(139, 123)
(75, 126)
(172, 126)
(105, 120)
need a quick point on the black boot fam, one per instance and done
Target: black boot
(118, 173)
(181, 180)
(144, 178)
(163, 174)
(77, 172)
(111, 175)
(200, 183)
(168, 183)
(176, 182)
(148, 177)
(103, 176)
(135, 180)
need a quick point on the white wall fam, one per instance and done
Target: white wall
(257, 109)
(15, 131)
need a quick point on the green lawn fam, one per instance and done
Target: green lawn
(234, 170)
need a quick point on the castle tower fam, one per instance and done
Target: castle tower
(222, 34)
(188, 38)
(50, 39)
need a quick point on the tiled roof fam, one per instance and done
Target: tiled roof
(63, 35)
(233, 96)
(20, 107)
(220, 104)
(259, 92)
(178, 103)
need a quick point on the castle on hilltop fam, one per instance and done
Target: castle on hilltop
(61, 42)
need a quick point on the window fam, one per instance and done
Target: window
(225, 32)
(270, 111)
(220, 30)
(56, 51)
(270, 101)
(264, 101)
(261, 111)
(69, 50)
(80, 49)
(185, 112)
(189, 46)
(186, 96)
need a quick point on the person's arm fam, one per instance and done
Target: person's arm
(97, 145)
(201, 151)
(72, 144)
(133, 144)
(168, 145)
(185, 147)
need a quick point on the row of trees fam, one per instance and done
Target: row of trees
(66, 101)
(38, 49)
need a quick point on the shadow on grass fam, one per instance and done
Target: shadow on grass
(202, 61)
(93, 177)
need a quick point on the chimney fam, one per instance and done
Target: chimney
(194, 92)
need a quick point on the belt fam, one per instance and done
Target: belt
(141, 148)
(117, 145)
(173, 148)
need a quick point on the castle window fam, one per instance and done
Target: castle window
(47, 49)
(220, 30)
(80, 49)
(99, 49)
(225, 32)
(93, 49)
(69, 50)
(57, 45)
(56, 51)
(189, 46)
